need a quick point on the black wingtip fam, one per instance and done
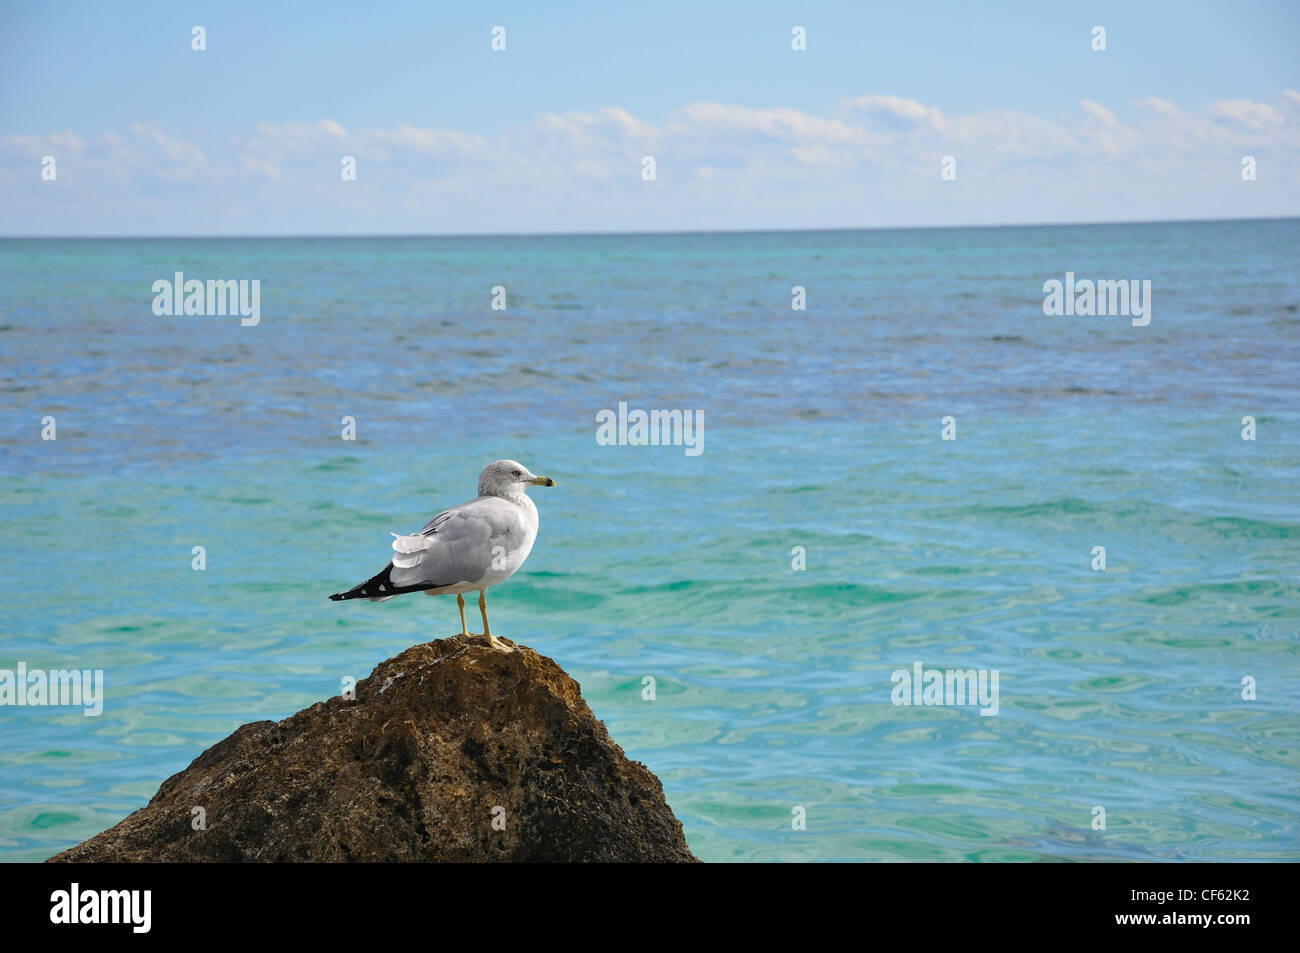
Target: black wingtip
(380, 586)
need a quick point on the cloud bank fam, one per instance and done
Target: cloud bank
(871, 160)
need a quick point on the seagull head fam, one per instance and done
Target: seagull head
(508, 478)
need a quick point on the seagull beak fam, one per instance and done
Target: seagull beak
(542, 481)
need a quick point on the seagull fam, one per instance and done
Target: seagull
(472, 546)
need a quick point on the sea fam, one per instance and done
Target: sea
(900, 463)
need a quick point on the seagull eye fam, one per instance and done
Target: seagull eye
(516, 473)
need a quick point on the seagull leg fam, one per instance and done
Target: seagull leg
(492, 639)
(460, 604)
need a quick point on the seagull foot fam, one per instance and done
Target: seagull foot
(498, 644)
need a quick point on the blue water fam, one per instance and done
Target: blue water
(1119, 689)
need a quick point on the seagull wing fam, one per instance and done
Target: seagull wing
(455, 548)
(458, 545)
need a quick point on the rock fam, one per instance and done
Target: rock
(417, 768)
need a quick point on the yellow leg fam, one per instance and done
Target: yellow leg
(460, 604)
(492, 639)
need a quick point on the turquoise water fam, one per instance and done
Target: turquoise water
(1118, 689)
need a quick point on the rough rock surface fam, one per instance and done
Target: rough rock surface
(412, 770)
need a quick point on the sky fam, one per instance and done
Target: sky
(149, 136)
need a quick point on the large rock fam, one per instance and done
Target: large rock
(415, 769)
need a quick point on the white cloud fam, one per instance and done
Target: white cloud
(50, 143)
(1099, 112)
(787, 125)
(1245, 113)
(1157, 106)
(435, 142)
(894, 111)
(267, 170)
(185, 160)
(719, 165)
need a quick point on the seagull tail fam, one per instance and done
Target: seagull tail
(378, 587)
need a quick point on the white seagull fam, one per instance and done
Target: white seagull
(469, 547)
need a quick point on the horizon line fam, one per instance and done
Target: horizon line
(650, 232)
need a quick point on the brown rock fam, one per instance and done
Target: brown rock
(411, 771)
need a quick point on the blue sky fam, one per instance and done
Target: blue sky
(246, 137)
